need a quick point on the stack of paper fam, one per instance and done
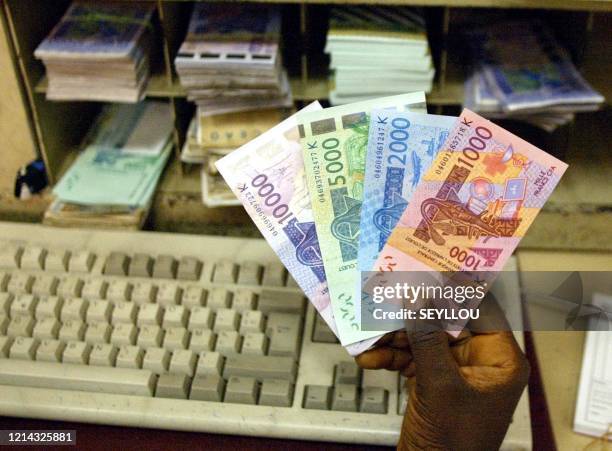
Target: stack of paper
(541, 86)
(98, 52)
(230, 59)
(116, 174)
(377, 50)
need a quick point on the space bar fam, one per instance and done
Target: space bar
(65, 376)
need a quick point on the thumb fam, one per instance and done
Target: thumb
(432, 356)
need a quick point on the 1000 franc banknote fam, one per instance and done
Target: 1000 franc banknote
(267, 175)
(334, 142)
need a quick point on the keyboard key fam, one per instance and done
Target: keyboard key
(165, 267)
(249, 274)
(202, 340)
(241, 390)
(119, 291)
(81, 261)
(226, 319)
(176, 338)
(200, 318)
(276, 392)
(23, 305)
(69, 286)
(143, 293)
(103, 355)
(49, 307)
(124, 334)
(173, 386)
(50, 351)
(225, 272)
(141, 266)
(10, 256)
(260, 367)
(74, 308)
(77, 352)
(98, 333)
(72, 330)
(210, 363)
(168, 293)
(317, 397)
(116, 264)
(189, 268)
(274, 275)
(321, 332)
(5, 346)
(207, 387)
(5, 302)
(345, 398)
(24, 348)
(33, 258)
(94, 288)
(156, 360)
(347, 373)
(376, 378)
(252, 321)
(130, 357)
(374, 400)
(150, 314)
(58, 376)
(99, 311)
(21, 283)
(124, 312)
(219, 298)
(175, 316)
(228, 342)
(46, 328)
(193, 296)
(183, 362)
(244, 300)
(284, 332)
(280, 301)
(45, 285)
(254, 343)
(150, 336)
(57, 260)
(22, 326)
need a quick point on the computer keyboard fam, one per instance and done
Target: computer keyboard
(185, 332)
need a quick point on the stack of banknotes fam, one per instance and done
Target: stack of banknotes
(542, 86)
(230, 59)
(112, 181)
(98, 52)
(376, 51)
(381, 185)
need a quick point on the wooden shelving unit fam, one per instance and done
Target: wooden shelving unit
(60, 126)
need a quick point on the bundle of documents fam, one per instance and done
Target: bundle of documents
(113, 180)
(541, 86)
(230, 59)
(381, 186)
(99, 52)
(377, 50)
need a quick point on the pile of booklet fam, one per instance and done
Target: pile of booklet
(113, 180)
(99, 52)
(359, 198)
(541, 86)
(377, 50)
(230, 59)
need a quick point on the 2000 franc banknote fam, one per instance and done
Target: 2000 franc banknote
(267, 175)
(401, 148)
(474, 204)
(334, 142)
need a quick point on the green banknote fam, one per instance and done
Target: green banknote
(334, 142)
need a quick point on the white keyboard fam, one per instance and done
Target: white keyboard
(183, 332)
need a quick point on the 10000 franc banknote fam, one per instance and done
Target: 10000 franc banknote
(334, 142)
(474, 204)
(267, 175)
(401, 148)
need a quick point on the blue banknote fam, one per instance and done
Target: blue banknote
(401, 147)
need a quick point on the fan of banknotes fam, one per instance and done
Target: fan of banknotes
(376, 51)
(382, 186)
(541, 86)
(230, 59)
(98, 52)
